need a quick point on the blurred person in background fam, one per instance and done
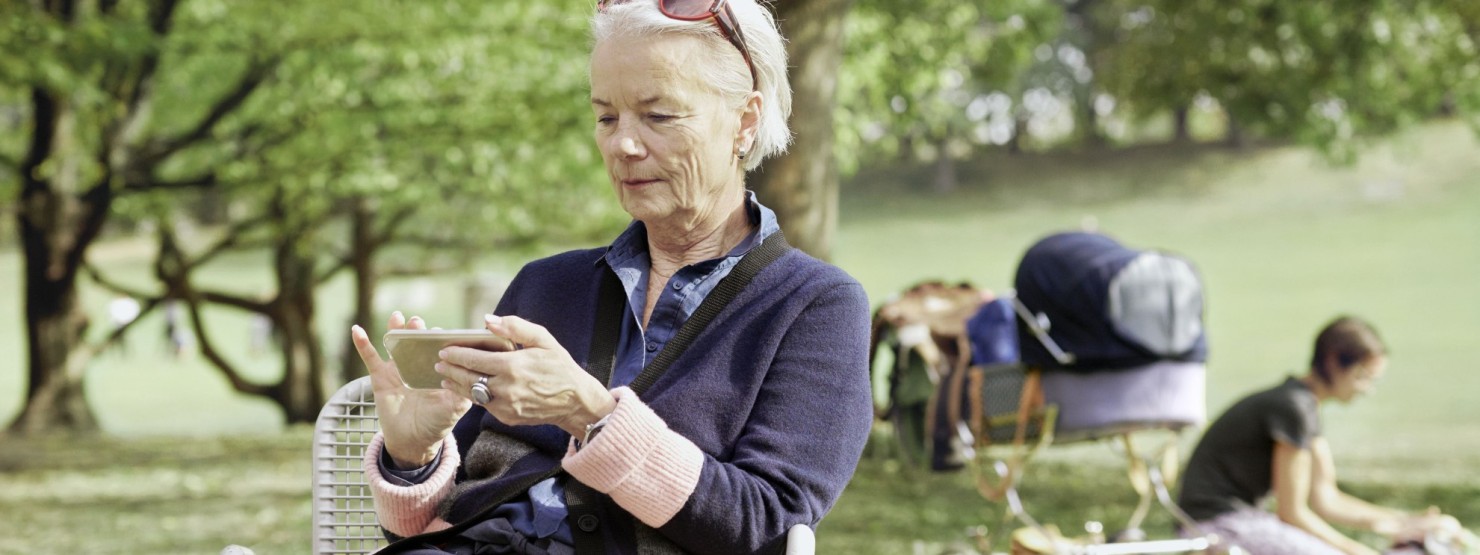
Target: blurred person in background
(122, 311)
(578, 440)
(1270, 443)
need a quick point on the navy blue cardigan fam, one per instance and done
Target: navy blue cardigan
(775, 392)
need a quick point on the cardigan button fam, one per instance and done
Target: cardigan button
(652, 346)
(588, 523)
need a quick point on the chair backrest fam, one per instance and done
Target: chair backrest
(344, 513)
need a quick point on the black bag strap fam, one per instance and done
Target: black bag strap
(611, 307)
(724, 292)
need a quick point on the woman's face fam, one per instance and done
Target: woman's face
(668, 139)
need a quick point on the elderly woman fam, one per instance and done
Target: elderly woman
(1269, 444)
(696, 386)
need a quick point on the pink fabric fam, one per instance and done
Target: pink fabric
(1260, 532)
(411, 510)
(645, 467)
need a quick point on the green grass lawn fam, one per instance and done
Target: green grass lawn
(1284, 243)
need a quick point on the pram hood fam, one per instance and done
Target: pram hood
(1110, 306)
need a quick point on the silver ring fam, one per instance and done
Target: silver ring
(480, 391)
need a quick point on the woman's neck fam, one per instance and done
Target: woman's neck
(673, 247)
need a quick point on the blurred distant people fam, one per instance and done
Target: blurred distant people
(1271, 444)
(262, 335)
(122, 311)
(178, 336)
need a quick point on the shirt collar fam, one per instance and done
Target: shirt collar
(632, 243)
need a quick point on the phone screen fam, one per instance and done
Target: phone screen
(415, 351)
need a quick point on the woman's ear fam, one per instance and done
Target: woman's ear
(750, 122)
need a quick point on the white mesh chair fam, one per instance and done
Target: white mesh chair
(344, 513)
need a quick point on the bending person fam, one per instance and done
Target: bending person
(580, 441)
(1271, 443)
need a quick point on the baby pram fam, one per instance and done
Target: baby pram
(1097, 341)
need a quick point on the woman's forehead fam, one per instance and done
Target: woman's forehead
(663, 65)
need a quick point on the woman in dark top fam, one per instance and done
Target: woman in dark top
(1271, 442)
(696, 385)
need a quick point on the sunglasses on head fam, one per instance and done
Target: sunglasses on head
(695, 10)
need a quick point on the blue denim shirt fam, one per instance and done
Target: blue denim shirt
(542, 514)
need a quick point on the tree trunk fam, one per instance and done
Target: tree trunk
(1019, 132)
(301, 392)
(362, 263)
(945, 170)
(1180, 132)
(55, 398)
(802, 186)
(57, 221)
(1235, 137)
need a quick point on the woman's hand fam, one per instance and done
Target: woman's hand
(414, 420)
(537, 384)
(1432, 522)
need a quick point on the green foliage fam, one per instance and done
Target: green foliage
(466, 111)
(1322, 72)
(453, 110)
(911, 69)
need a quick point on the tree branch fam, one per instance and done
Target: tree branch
(45, 113)
(198, 182)
(392, 224)
(149, 304)
(174, 271)
(161, 15)
(208, 349)
(97, 276)
(65, 10)
(417, 271)
(234, 301)
(233, 237)
(340, 265)
(254, 76)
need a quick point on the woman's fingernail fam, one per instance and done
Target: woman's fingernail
(492, 320)
(439, 368)
(442, 354)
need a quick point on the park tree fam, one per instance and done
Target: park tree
(933, 80)
(399, 119)
(1325, 73)
(802, 185)
(87, 89)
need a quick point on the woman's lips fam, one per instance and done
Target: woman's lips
(637, 182)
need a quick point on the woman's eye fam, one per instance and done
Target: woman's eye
(660, 117)
(606, 120)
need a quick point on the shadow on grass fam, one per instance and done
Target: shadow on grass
(155, 495)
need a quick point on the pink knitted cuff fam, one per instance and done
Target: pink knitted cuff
(647, 469)
(410, 510)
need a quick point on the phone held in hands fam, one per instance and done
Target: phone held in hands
(415, 351)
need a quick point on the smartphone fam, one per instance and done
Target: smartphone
(415, 351)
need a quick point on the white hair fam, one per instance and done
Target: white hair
(724, 67)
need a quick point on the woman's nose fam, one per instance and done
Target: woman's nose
(629, 147)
